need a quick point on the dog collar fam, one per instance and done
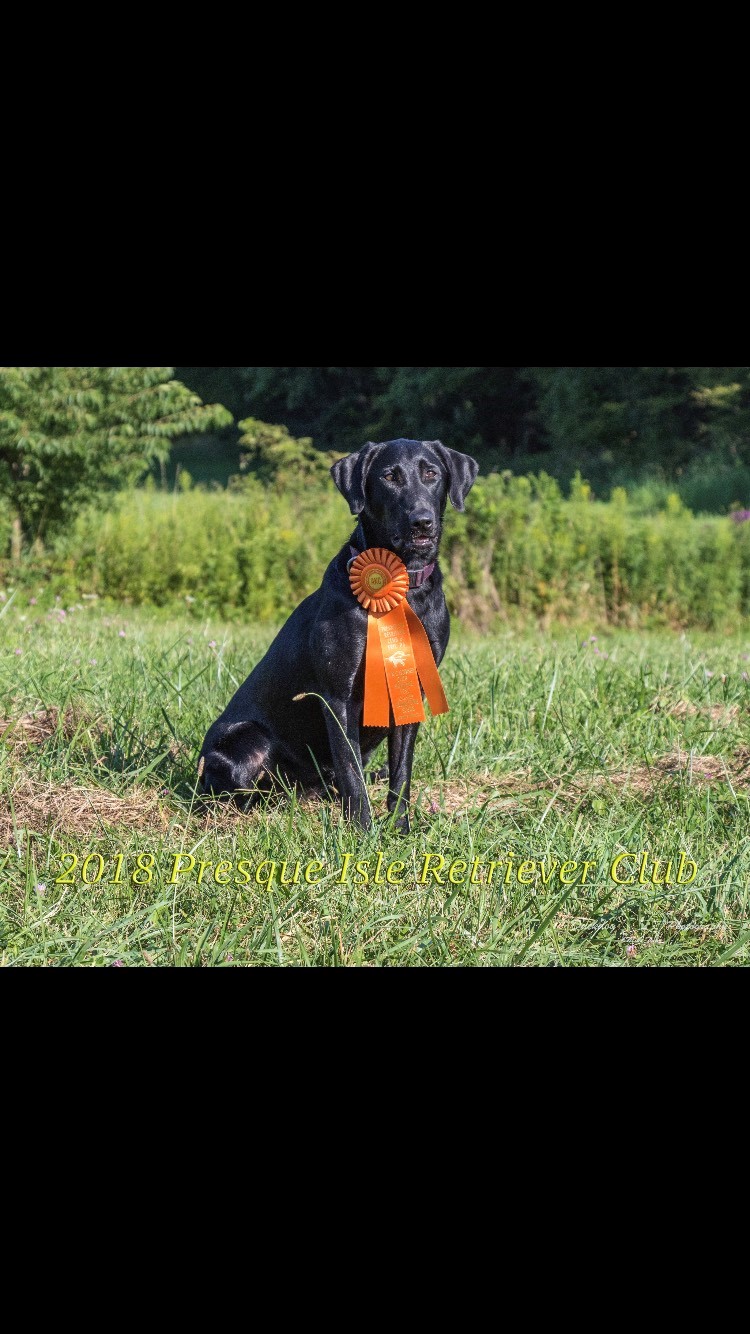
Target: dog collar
(416, 577)
(419, 577)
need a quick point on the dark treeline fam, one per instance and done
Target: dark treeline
(617, 424)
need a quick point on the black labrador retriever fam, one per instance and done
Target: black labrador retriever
(399, 491)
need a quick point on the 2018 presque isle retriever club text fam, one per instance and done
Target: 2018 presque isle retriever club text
(625, 867)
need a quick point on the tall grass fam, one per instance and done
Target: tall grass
(556, 750)
(524, 548)
(521, 552)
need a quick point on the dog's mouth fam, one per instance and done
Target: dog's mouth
(421, 547)
(416, 547)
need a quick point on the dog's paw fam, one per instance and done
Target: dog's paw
(400, 824)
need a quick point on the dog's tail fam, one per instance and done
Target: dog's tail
(236, 761)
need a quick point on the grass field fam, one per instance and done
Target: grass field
(559, 756)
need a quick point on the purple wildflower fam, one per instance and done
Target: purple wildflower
(740, 516)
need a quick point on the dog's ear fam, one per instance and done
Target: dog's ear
(350, 476)
(462, 472)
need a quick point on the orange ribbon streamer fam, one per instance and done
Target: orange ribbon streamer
(398, 655)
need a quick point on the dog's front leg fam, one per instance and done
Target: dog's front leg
(400, 758)
(342, 721)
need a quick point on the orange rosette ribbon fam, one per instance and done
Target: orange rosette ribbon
(398, 656)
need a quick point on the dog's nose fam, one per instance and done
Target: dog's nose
(422, 522)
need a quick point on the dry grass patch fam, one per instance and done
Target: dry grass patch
(80, 811)
(680, 765)
(472, 794)
(33, 729)
(43, 806)
(451, 796)
(721, 714)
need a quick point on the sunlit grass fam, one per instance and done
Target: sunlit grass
(559, 749)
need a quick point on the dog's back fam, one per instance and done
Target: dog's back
(263, 731)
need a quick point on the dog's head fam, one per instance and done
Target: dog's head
(399, 491)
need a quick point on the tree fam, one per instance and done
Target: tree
(470, 407)
(274, 457)
(721, 396)
(480, 409)
(619, 425)
(331, 404)
(67, 432)
(644, 418)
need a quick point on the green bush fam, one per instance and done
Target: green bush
(521, 550)
(274, 456)
(254, 552)
(522, 546)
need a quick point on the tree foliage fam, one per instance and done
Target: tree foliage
(616, 423)
(659, 416)
(477, 407)
(271, 455)
(69, 431)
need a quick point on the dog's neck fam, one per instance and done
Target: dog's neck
(359, 544)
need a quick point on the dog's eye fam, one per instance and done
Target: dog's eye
(429, 474)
